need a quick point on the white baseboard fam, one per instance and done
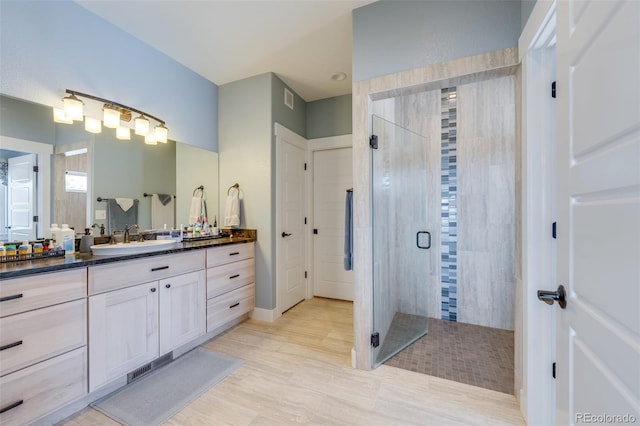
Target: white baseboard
(267, 315)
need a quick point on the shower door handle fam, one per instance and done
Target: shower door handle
(428, 246)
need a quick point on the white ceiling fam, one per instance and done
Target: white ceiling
(303, 41)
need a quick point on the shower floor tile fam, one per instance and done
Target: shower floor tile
(465, 353)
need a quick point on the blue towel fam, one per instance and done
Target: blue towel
(117, 218)
(348, 232)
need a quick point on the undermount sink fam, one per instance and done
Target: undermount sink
(132, 248)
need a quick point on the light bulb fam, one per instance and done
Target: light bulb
(123, 133)
(111, 117)
(73, 108)
(60, 117)
(150, 139)
(162, 133)
(141, 125)
(92, 125)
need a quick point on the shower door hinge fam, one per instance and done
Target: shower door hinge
(375, 339)
(373, 141)
(36, 169)
(553, 89)
(553, 370)
(35, 218)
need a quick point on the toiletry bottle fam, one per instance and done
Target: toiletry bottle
(205, 227)
(67, 239)
(216, 231)
(53, 232)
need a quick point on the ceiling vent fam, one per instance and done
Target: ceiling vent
(288, 98)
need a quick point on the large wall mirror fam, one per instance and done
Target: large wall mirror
(76, 168)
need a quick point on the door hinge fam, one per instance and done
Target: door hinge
(35, 218)
(305, 220)
(305, 274)
(36, 169)
(553, 370)
(553, 230)
(315, 231)
(375, 339)
(373, 141)
(305, 166)
(553, 89)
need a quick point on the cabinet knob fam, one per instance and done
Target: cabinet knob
(168, 285)
(153, 290)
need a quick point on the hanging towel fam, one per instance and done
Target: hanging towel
(118, 218)
(348, 232)
(162, 211)
(125, 203)
(196, 209)
(232, 209)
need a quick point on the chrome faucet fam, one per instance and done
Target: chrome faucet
(128, 228)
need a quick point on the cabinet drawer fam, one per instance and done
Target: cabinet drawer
(231, 253)
(37, 390)
(224, 278)
(131, 272)
(34, 336)
(229, 306)
(35, 291)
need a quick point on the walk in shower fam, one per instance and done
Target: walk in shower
(443, 226)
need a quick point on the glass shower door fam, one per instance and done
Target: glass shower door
(401, 242)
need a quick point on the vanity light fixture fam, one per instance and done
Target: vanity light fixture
(123, 133)
(92, 125)
(111, 116)
(114, 115)
(60, 117)
(73, 107)
(141, 125)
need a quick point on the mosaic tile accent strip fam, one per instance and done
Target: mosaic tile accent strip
(448, 206)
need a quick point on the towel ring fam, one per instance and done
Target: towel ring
(235, 185)
(200, 188)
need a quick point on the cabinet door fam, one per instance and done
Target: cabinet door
(123, 332)
(182, 309)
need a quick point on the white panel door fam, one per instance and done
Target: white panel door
(598, 334)
(332, 176)
(21, 197)
(290, 230)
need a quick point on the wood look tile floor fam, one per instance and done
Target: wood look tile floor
(297, 370)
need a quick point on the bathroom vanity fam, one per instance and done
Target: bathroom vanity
(73, 329)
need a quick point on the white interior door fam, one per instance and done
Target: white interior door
(290, 232)
(21, 197)
(598, 334)
(332, 176)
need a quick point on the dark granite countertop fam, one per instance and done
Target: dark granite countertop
(80, 260)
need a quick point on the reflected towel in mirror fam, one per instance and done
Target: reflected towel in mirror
(162, 211)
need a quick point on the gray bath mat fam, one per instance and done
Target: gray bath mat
(154, 399)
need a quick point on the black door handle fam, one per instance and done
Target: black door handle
(549, 297)
(284, 234)
(418, 240)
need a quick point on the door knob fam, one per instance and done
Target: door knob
(284, 234)
(549, 297)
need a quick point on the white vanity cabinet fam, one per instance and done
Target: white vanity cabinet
(230, 283)
(43, 344)
(141, 309)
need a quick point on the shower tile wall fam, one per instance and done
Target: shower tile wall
(485, 215)
(486, 202)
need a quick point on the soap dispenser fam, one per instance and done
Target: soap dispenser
(86, 241)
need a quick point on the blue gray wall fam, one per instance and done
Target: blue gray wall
(49, 46)
(393, 36)
(527, 8)
(329, 117)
